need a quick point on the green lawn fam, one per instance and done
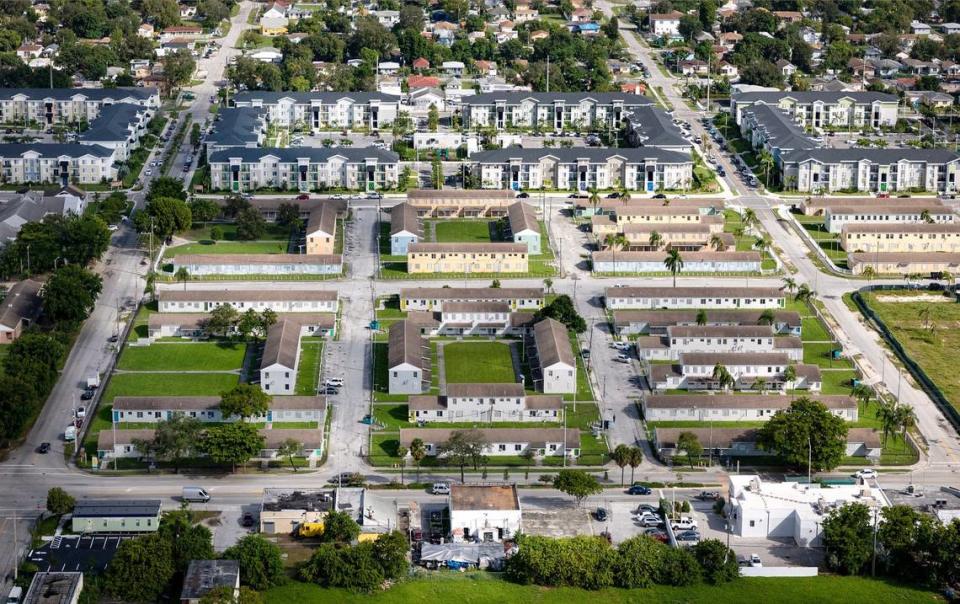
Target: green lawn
(481, 587)
(472, 231)
(837, 382)
(928, 331)
(193, 356)
(478, 362)
(308, 373)
(584, 393)
(201, 232)
(168, 384)
(228, 247)
(821, 354)
(812, 330)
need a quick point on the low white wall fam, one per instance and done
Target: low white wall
(779, 571)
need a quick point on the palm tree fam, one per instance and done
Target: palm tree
(418, 450)
(621, 457)
(701, 317)
(548, 284)
(926, 217)
(738, 231)
(625, 195)
(762, 244)
(887, 414)
(863, 393)
(182, 275)
(717, 243)
(766, 161)
(722, 376)
(615, 241)
(906, 419)
(789, 284)
(767, 317)
(760, 384)
(790, 375)
(804, 293)
(749, 218)
(869, 272)
(674, 263)
(594, 199)
(924, 315)
(656, 240)
(636, 458)
(948, 277)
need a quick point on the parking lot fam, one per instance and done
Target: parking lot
(76, 553)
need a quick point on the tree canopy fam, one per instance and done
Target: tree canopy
(245, 401)
(805, 430)
(70, 294)
(576, 483)
(562, 309)
(261, 561)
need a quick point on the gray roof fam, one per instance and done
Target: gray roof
(933, 206)
(53, 149)
(270, 97)
(782, 132)
(722, 331)
(113, 123)
(282, 345)
(904, 258)
(522, 217)
(192, 403)
(660, 318)
(314, 154)
(403, 218)
(323, 219)
(22, 303)
(729, 256)
(405, 345)
(516, 97)
(264, 259)
(653, 128)
(433, 196)
(694, 292)
(573, 154)
(236, 126)
(774, 96)
(203, 576)
(475, 390)
(54, 588)
(731, 359)
(724, 438)
(912, 227)
(880, 156)
(107, 508)
(478, 306)
(742, 401)
(93, 94)
(553, 343)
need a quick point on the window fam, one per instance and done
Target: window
(753, 523)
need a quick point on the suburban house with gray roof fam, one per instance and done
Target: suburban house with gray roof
(116, 515)
(33, 206)
(544, 442)
(555, 371)
(323, 110)
(486, 403)
(122, 444)
(434, 298)
(49, 106)
(408, 359)
(645, 169)
(56, 163)
(871, 170)
(735, 407)
(405, 228)
(685, 298)
(20, 308)
(524, 226)
(277, 300)
(205, 576)
(555, 111)
(822, 109)
(304, 169)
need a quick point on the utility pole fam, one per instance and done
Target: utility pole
(809, 458)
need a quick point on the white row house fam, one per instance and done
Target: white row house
(486, 403)
(544, 442)
(735, 407)
(695, 371)
(613, 262)
(824, 109)
(836, 218)
(646, 169)
(717, 339)
(280, 361)
(871, 170)
(154, 409)
(434, 298)
(683, 298)
(196, 325)
(277, 300)
(554, 111)
(303, 169)
(317, 111)
(202, 265)
(555, 370)
(657, 322)
(408, 359)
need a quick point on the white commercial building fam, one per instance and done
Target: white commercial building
(793, 510)
(484, 513)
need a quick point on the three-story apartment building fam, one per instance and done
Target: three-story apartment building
(824, 109)
(56, 163)
(871, 170)
(318, 111)
(555, 111)
(49, 106)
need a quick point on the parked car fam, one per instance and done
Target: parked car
(622, 358)
(303, 197)
(81, 412)
(44, 448)
(330, 390)
(614, 195)
(648, 520)
(585, 353)
(687, 536)
(247, 519)
(659, 196)
(523, 195)
(600, 514)
(347, 479)
(440, 488)
(336, 382)
(708, 495)
(638, 489)
(685, 523)
(87, 395)
(374, 195)
(866, 474)
(198, 494)
(647, 508)
(752, 560)
(657, 534)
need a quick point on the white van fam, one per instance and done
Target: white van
(441, 488)
(14, 596)
(195, 494)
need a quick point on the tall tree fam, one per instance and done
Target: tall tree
(141, 569)
(59, 502)
(178, 67)
(70, 294)
(848, 538)
(290, 449)
(174, 439)
(418, 450)
(576, 483)
(674, 263)
(805, 432)
(562, 309)
(250, 224)
(244, 401)
(223, 319)
(462, 448)
(339, 527)
(233, 443)
(261, 562)
(689, 444)
(188, 541)
(621, 456)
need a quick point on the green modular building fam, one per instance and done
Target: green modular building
(116, 516)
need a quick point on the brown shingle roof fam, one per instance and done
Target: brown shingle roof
(729, 256)
(665, 318)
(694, 292)
(553, 343)
(486, 497)
(933, 207)
(181, 319)
(722, 331)
(282, 345)
(724, 438)
(403, 217)
(471, 293)
(741, 401)
(734, 358)
(698, 228)
(405, 345)
(522, 217)
(472, 307)
(265, 259)
(246, 295)
(323, 220)
(474, 390)
(430, 195)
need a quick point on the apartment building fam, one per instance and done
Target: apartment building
(474, 318)
(408, 359)
(695, 371)
(554, 111)
(405, 228)
(735, 407)
(242, 169)
(318, 111)
(580, 169)
(679, 298)
(56, 163)
(119, 127)
(647, 237)
(486, 403)
(824, 109)
(153, 409)
(613, 262)
(870, 170)
(837, 218)
(49, 106)
(650, 126)
(666, 25)
(904, 263)
(201, 265)
(681, 339)
(524, 226)
(544, 442)
(460, 203)
(555, 368)
(277, 300)
(919, 237)
(656, 215)
(479, 258)
(770, 129)
(237, 127)
(434, 298)
(657, 322)
(612, 207)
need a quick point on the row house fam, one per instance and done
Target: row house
(197, 325)
(475, 318)
(436, 298)
(317, 111)
(461, 203)
(682, 339)
(685, 298)
(49, 106)
(277, 300)
(553, 363)
(557, 111)
(581, 169)
(155, 409)
(405, 228)
(657, 322)
(524, 226)
(612, 207)
(750, 371)
(904, 263)
(825, 109)
(280, 361)
(479, 258)
(542, 442)
(683, 237)
(735, 407)
(770, 129)
(408, 359)
(920, 237)
(839, 217)
(871, 170)
(201, 265)
(304, 169)
(613, 262)
(486, 403)
(56, 163)
(122, 444)
(654, 215)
